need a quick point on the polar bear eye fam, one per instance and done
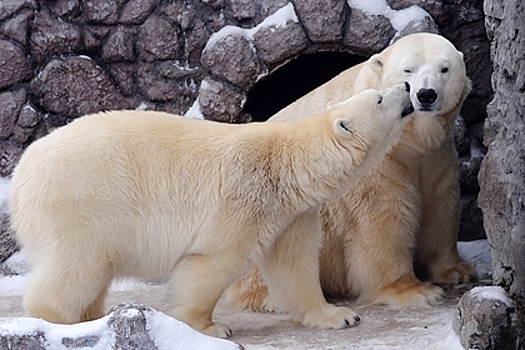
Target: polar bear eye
(444, 70)
(407, 70)
(380, 100)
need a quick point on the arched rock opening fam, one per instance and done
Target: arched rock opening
(295, 79)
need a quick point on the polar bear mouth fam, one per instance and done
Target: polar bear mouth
(409, 109)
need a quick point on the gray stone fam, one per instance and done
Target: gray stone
(269, 7)
(8, 243)
(119, 45)
(196, 40)
(161, 83)
(124, 75)
(243, 9)
(9, 156)
(28, 116)
(10, 105)
(18, 26)
(136, 11)
(502, 174)
(159, 40)
(128, 322)
(76, 86)
(483, 319)
(66, 8)
(50, 36)
(219, 102)
(35, 341)
(276, 44)
(101, 11)
(28, 119)
(181, 13)
(229, 55)
(461, 139)
(427, 25)
(14, 65)
(367, 34)
(323, 20)
(10, 7)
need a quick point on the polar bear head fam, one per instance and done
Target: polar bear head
(372, 115)
(430, 64)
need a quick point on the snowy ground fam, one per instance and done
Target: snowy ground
(381, 328)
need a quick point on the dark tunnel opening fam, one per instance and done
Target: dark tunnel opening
(295, 79)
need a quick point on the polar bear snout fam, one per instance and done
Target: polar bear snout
(426, 97)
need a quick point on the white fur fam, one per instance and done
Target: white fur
(148, 194)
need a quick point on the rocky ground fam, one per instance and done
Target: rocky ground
(381, 327)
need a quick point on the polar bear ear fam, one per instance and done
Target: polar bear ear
(376, 63)
(343, 127)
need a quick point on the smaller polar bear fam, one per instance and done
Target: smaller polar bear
(149, 194)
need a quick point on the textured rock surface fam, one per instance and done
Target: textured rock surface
(68, 58)
(485, 319)
(502, 176)
(126, 326)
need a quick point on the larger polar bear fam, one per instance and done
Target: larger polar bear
(149, 194)
(405, 211)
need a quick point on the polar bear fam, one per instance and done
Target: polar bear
(149, 194)
(405, 211)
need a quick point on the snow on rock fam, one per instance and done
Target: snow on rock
(278, 20)
(491, 293)
(194, 111)
(399, 19)
(485, 318)
(150, 329)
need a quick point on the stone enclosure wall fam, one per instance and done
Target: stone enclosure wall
(60, 59)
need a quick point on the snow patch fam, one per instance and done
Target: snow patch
(195, 111)
(492, 293)
(477, 252)
(399, 19)
(226, 33)
(142, 107)
(162, 328)
(278, 20)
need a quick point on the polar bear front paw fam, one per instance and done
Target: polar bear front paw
(218, 330)
(464, 272)
(408, 291)
(331, 317)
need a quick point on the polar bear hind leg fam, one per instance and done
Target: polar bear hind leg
(63, 294)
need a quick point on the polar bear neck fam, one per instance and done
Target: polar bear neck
(296, 163)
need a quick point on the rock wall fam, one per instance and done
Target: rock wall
(502, 176)
(60, 59)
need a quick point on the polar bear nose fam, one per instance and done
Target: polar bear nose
(426, 96)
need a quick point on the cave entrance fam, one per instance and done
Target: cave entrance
(295, 79)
